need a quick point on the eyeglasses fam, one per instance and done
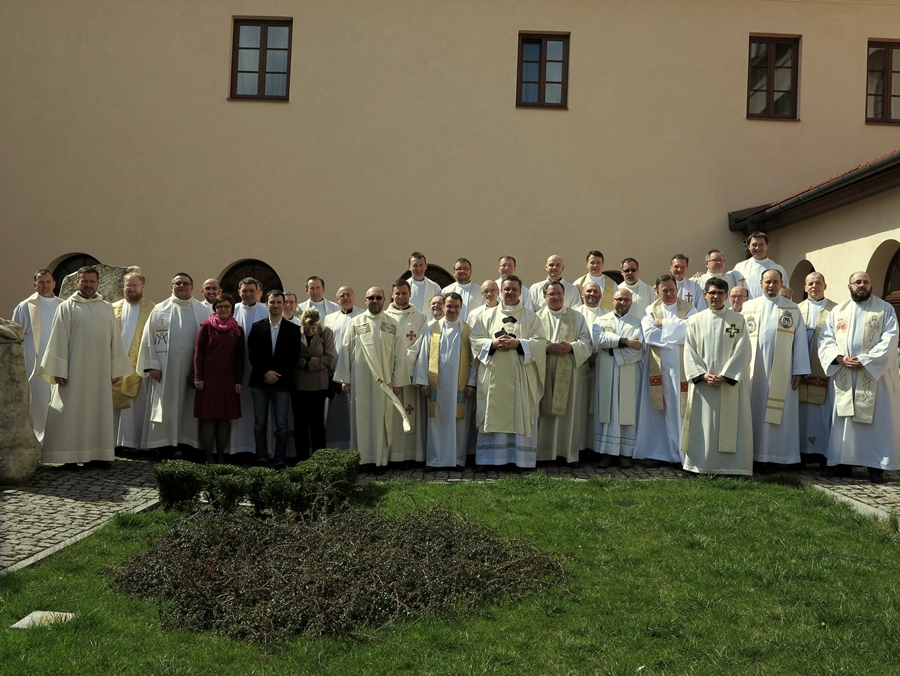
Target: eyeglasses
(222, 307)
(626, 270)
(374, 297)
(716, 260)
(461, 269)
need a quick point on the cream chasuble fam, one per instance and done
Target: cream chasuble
(410, 445)
(642, 295)
(86, 348)
(373, 359)
(778, 351)
(618, 372)
(510, 385)
(337, 414)
(865, 428)
(717, 436)
(564, 406)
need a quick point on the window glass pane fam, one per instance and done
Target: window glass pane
(276, 85)
(757, 103)
(783, 103)
(529, 93)
(782, 79)
(277, 37)
(248, 59)
(554, 71)
(874, 107)
(531, 51)
(875, 83)
(249, 36)
(876, 58)
(554, 50)
(276, 60)
(759, 78)
(784, 55)
(531, 72)
(895, 107)
(895, 59)
(895, 84)
(247, 83)
(553, 93)
(759, 54)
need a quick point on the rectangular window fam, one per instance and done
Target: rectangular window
(883, 82)
(261, 60)
(543, 71)
(772, 80)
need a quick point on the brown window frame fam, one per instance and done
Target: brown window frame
(264, 25)
(772, 41)
(531, 38)
(888, 72)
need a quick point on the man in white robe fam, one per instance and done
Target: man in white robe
(816, 390)
(446, 375)
(594, 264)
(166, 356)
(563, 406)
(619, 342)
(510, 345)
(779, 360)
(748, 273)
(210, 290)
(422, 289)
(554, 267)
(315, 290)
(490, 292)
(35, 315)
(408, 446)
(737, 296)
(465, 287)
(83, 356)
(858, 347)
(371, 359)
(717, 437)
(506, 266)
(290, 306)
(591, 309)
(664, 387)
(130, 395)
(642, 294)
(688, 289)
(246, 313)
(715, 267)
(337, 417)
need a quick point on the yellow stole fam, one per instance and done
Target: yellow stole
(556, 394)
(814, 387)
(780, 378)
(127, 388)
(655, 360)
(434, 364)
(857, 402)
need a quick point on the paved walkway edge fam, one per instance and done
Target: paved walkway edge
(855, 505)
(150, 504)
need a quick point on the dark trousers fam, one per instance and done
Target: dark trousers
(309, 421)
(262, 397)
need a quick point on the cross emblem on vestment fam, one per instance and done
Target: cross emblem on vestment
(409, 409)
(689, 297)
(732, 331)
(411, 336)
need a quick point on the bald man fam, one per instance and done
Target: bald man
(554, 268)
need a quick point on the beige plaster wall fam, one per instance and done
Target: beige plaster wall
(118, 139)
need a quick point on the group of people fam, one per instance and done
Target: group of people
(721, 373)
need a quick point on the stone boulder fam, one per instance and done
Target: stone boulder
(111, 280)
(20, 452)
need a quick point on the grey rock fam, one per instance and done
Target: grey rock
(111, 279)
(10, 332)
(20, 452)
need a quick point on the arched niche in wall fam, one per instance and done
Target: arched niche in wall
(249, 267)
(798, 280)
(884, 268)
(66, 265)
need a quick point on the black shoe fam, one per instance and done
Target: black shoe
(844, 471)
(262, 462)
(574, 465)
(100, 464)
(876, 475)
(652, 464)
(278, 466)
(70, 467)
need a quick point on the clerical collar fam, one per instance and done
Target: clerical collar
(455, 322)
(87, 297)
(718, 312)
(347, 312)
(818, 303)
(618, 315)
(402, 309)
(183, 303)
(509, 308)
(557, 312)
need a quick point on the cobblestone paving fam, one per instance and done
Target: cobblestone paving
(59, 507)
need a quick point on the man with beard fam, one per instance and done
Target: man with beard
(410, 445)
(371, 360)
(465, 287)
(210, 290)
(591, 295)
(642, 294)
(858, 348)
(337, 420)
(130, 394)
(779, 359)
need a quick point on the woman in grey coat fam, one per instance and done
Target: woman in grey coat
(312, 380)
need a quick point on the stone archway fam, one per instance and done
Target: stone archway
(884, 268)
(249, 267)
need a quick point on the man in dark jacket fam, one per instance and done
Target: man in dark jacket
(274, 348)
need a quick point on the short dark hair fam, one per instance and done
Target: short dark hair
(416, 255)
(711, 252)
(88, 270)
(183, 274)
(462, 260)
(546, 287)
(401, 282)
(513, 278)
(631, 260)
(681, 256)
(759, 234)
(309, 279)
(249, 281)
(717, 282)
(452, 295)
(42, 272)
(665, 277)
(780, 276)
(274, 293)
(512, 259)
(594, 252)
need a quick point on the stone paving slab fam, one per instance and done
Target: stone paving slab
(58, 507)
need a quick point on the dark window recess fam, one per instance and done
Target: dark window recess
(543, 71)
(883, 83)
(261, 60)
(772, 81)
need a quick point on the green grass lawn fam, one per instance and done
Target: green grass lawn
(690, 576)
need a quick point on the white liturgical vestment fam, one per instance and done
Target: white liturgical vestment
(421, 293)
(748, 273)
(409, 445)
(642, 295)
(471, 295)
(337, 418)
(242, 439)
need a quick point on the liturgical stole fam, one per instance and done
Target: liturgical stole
(814, 388)
(860, 404)
(434, 364)
(780, 379)
(655, 364)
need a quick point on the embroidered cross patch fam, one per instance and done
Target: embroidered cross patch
(689, 297)
(409, 409)
(411, 336)
(732, 331)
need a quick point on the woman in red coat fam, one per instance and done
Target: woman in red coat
(218, 374)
